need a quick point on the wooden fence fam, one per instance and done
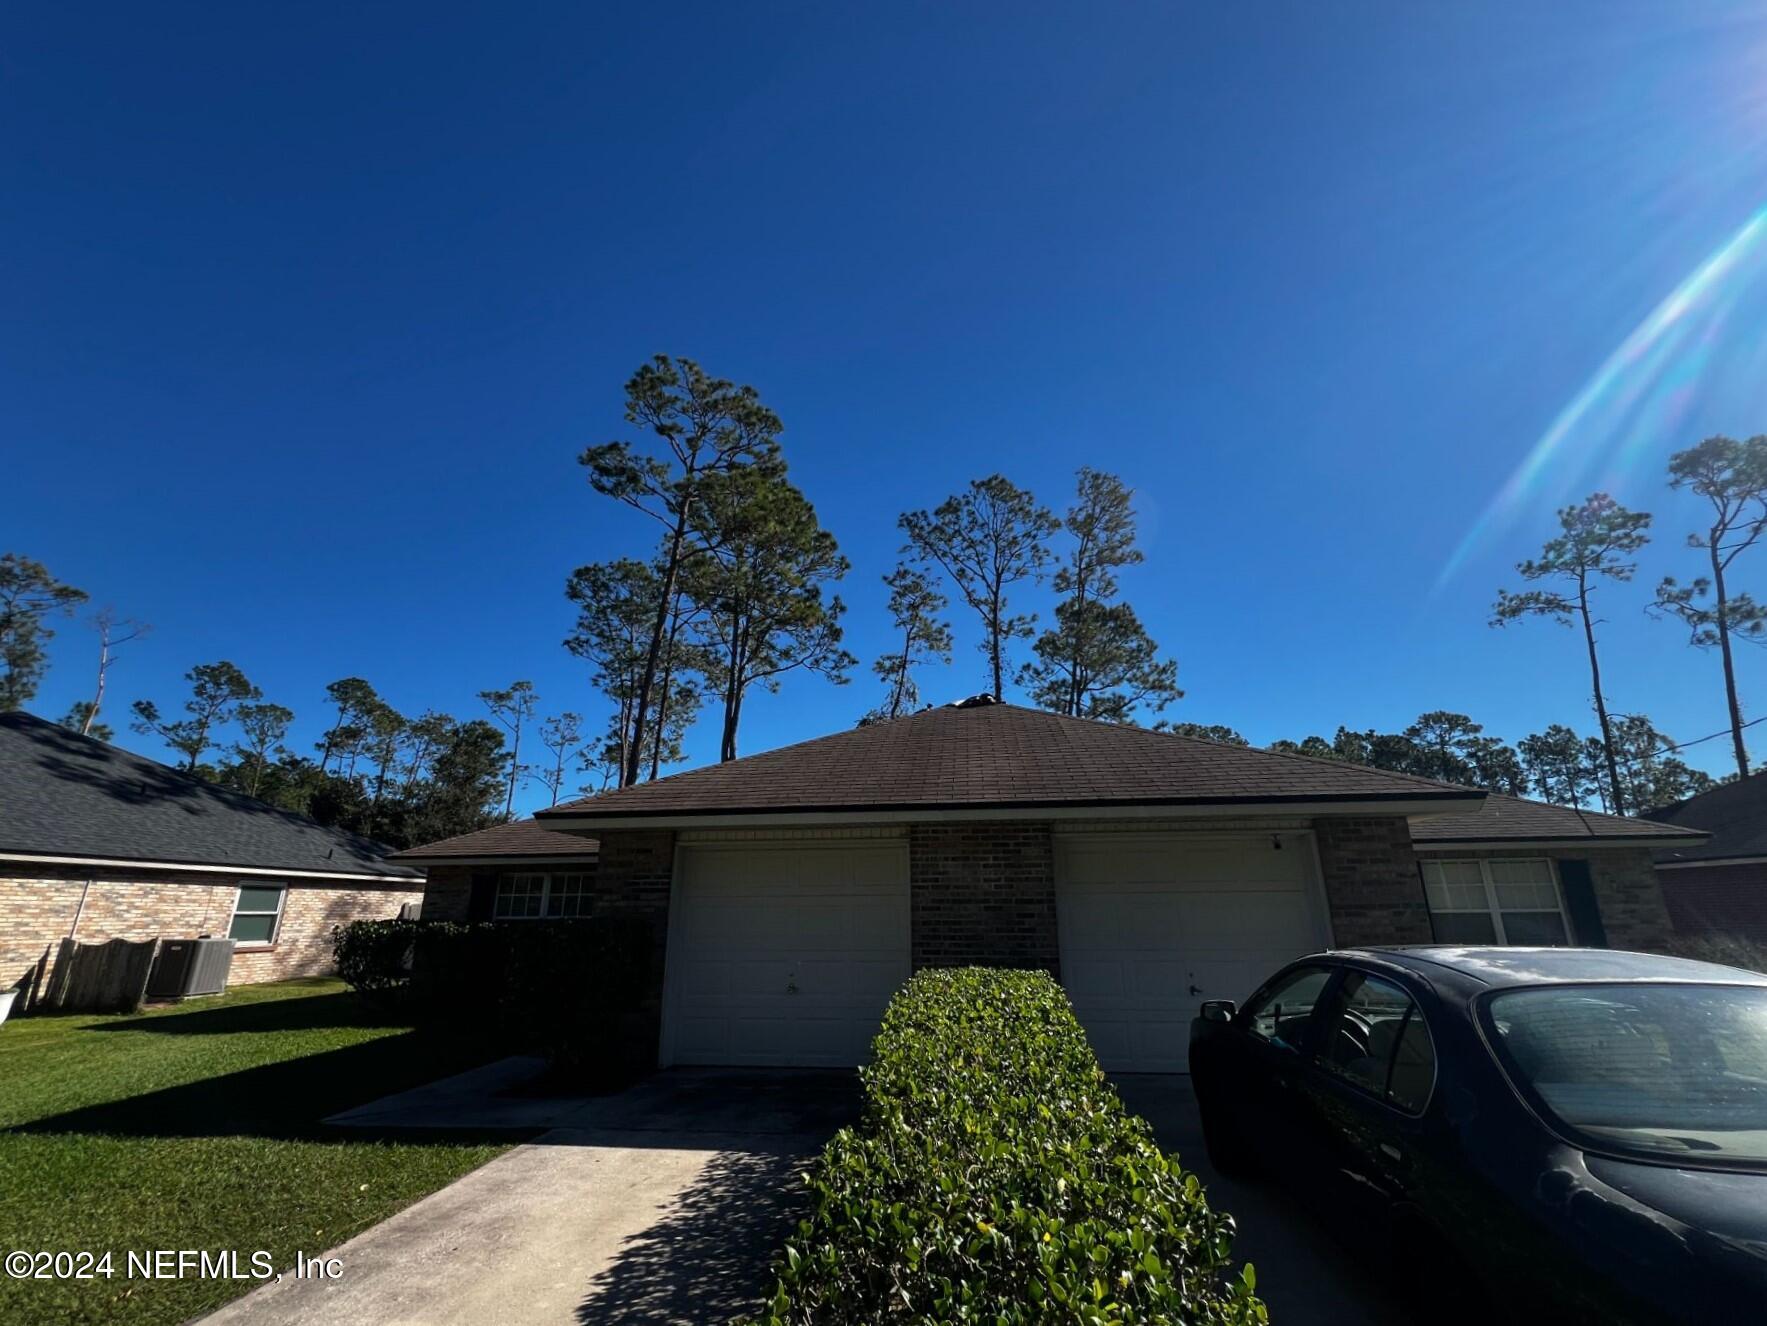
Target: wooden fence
(100, 978)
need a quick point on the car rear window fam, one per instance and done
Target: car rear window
(1658, 1070)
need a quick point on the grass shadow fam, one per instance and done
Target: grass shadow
(309, 1013)
(287, 1100)
(706, 1258)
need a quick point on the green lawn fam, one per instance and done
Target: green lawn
(197, 1127)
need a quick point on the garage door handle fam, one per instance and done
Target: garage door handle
(1196, 989)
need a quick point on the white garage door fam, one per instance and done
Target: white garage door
(784, 954)
(1153, 924)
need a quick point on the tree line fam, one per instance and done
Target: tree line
(400, 779)
(1555, 765)
(737, 591)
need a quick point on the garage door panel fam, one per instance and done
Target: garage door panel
(1252, 919)
(1100, 978)
(785, 955)
(1144, 922)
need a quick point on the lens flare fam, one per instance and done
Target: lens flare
(1640, 395)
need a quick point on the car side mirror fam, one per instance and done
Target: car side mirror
(1218, 1010)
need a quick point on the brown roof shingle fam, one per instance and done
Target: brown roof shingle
(520, 838)
(1511, 819)
(1004, 756)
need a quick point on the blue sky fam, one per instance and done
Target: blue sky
(309, 311)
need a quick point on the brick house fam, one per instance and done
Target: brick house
(97, 843)
(796, 889)
(1718, 888)
(508, 872)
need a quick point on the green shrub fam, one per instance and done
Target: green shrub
(579, 991)
(374, 957)
(995, 1177)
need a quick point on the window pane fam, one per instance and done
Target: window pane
(569, 896)
(1464, 928)
(1414, 1066)
(1456, 872)
(259, 898)
(253, 929)
(1361, 1037)
(1534, 928)
(1281, 1014)
(1457, 897)
(519, 897)
(1527, 897)
(1533, 871)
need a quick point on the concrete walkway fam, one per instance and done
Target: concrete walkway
(663, 1203)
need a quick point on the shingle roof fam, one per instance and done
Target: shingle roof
(1735, 814)
(522, 838)
(1004, 756)
(62, 794)
(1511, 819)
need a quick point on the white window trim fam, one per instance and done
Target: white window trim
(546, 878)
(1491, 908)
(276, 926)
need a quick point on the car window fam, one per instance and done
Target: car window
(1279, 1013)
(1656, 1069)
(1376, 1038)
(1414, 1065)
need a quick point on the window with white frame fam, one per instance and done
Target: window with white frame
(1496, 902)
(257, 911)
(532, 897)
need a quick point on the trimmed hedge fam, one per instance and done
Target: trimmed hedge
(374, 957)
(579, 991)
(995, 1177)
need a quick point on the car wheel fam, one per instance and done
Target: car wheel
(1225, 1143)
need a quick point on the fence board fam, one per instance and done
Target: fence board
(101, 978)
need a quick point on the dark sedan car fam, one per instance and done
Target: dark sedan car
(1564, 1134)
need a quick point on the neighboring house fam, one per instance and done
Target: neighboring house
(1718, 888)
(798, 888)
(509, 872)
(97, 843)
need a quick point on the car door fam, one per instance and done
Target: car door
(1366, 1090)
(1275, 1036)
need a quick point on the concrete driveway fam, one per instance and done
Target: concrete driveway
(663, 1203)
(1305, 1275)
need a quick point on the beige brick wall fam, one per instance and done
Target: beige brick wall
(37, 912)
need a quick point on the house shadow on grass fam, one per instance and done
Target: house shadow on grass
(309, 1013)
(707, 1257)
(288, 1099)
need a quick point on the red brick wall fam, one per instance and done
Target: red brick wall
(983, 894)
(37, 912)
(1729, 901)
(1371, 882)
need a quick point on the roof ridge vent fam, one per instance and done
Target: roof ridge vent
(981, 701)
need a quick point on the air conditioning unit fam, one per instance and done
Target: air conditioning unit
(186, 967)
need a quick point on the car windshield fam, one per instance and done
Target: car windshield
(1662, 1070)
